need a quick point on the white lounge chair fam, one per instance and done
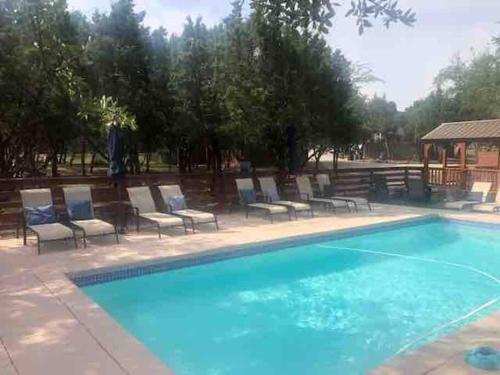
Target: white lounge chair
(489, 206)
(144, 207)
(39, 216)
(306, 193)
(248, 199)
(324, 181)
(172, 195)
(270, 191)
(80, 196)
(478, 194)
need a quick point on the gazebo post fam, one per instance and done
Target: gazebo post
(444, 157)
(427, 151)
(462, 149)
(444, 162)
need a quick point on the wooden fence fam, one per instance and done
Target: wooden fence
(202, 190)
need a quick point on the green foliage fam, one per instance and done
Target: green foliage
(463, 91)
(106, 112)
(265, 84)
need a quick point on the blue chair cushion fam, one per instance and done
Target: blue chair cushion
(248, 196)
(79, 210)
(40, 215)
(177, 202)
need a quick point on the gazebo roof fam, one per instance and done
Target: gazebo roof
(465, 131)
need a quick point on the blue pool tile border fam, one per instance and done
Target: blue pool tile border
(108, 274)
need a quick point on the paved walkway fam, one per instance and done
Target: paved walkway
(48, 326)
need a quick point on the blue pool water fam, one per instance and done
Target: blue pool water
(331, 306)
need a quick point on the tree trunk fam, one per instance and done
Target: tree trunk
(335, 161)
(148, 159)
(181, 160)
(387, 149)
(316, 163)
(292, 149)
(82, 157)
(190, 160)
(92, 162)
(54, 161)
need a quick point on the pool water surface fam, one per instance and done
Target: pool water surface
(327, 306)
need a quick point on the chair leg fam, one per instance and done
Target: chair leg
(116, 236)
(192, 225)
(369, 206)
(312, 212)
(216, 223)
(84, 239)
(38, 243)
(159, 231)
(74, 240)
(25, 241)
(290, 215)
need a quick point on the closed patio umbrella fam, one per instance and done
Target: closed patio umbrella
(116, 168)
(115, 152)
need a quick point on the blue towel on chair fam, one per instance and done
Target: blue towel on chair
(79, 210)
(177, 203)
(248, 196)
(40, 215)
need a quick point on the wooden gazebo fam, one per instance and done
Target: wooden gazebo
(458, 136)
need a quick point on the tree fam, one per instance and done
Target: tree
(119, 66)
(43, 65)
(464, 90)
(267, 83)
(382, 119)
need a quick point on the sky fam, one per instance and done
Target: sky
(405, 59)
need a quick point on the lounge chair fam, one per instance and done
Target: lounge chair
(489, 206)
(174, 199)
(478, 194)
(326, 189)
(39, 216)
(144, 207)
(270, 191)
(417, 190)
(80, 211)
(306, 193)
(248, 199)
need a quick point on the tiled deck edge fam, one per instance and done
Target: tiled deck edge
(105, 274)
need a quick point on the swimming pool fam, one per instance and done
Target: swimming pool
(321, 305)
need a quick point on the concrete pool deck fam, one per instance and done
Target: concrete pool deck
(48, 326)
